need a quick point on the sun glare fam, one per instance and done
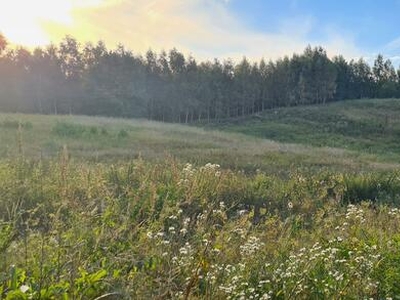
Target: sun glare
(23, 21)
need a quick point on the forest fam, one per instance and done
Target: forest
(88, 79)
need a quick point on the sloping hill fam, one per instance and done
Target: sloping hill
(365, 126)
(107, 139)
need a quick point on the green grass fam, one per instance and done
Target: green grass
(142, 230)
(101, 208)
(107, 139)
(365, 126)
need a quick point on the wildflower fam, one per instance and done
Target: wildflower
(290, 205)
(216, 250)
(265, 296)
(183, 251)
(242, 212)
(186, 222)
(252, 245)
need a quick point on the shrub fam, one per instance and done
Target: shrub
(373, 187)
(76, 130)
(68, 129)
(123, 134)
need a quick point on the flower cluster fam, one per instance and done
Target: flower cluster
(328, 269)
(394, 212)
(252, 245)
(189, 170)
(211, 168)
(187, 173)
(355, 213)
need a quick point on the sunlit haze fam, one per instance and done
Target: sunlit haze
(30, 23)
(210, 28)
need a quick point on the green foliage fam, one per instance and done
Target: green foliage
(77, 131)
(123, 134)
(367, 126)
(372, 187)
(171, 87)
(68, 130)
(146, 230)
(269, 227)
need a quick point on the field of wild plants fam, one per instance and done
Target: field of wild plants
(96, 208)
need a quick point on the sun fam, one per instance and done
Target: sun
(23, 22)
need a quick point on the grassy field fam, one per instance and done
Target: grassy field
(365, 126)
(105, 139)
(100, 208)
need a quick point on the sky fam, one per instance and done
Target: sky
(212, 28)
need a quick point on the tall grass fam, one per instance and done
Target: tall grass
(146, 230)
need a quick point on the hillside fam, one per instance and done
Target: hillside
(366, 126)
(110, 139)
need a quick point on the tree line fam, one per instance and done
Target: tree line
(70, 78)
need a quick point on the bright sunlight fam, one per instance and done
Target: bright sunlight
(24, 21)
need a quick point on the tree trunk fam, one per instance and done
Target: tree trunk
(187, 116)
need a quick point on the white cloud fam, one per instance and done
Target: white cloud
(391, 51)
(393, 45)
(205, 28)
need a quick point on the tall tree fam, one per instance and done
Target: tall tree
(319, 73)
(68, 78)
(384, 76)
(362, 80)
(343, 78)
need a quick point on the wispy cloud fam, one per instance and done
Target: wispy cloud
(391, 50)
(393, 45)
(206, 28)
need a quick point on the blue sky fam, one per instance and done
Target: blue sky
(372, 23)
(213, 28)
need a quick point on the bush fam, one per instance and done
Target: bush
(68, 129)
(76, 130)
(373, 187)
(123, 134)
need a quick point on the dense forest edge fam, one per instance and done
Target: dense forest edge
(71, 78)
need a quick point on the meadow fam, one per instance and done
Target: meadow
(101, 208)
(368, 126)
